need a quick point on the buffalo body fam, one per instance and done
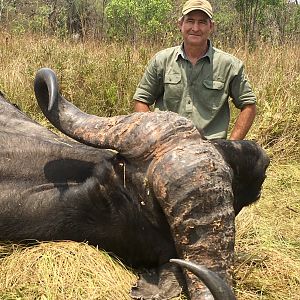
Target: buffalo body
(157, 190)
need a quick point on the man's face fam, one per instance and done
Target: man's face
(196, 28)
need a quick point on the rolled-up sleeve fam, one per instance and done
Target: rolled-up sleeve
(240, 89)
(150, 88)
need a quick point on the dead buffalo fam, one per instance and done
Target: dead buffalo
(146, 187)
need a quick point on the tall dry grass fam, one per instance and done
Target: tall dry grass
(101, 78)
(268, 241)
(274, 73)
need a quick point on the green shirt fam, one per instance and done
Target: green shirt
(199, 92)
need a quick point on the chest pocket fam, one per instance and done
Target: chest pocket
(173, 90)
(213, 94)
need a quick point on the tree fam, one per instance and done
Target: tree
(265, 19)
(132, 19)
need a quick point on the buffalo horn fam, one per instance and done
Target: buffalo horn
(126, 134)
(215, 284)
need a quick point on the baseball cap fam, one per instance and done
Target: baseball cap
(203, 5)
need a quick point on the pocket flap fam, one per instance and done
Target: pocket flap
(172, 78)
(213, 85)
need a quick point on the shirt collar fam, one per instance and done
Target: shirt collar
(208, 54)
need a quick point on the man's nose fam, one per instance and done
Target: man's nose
(196, 27)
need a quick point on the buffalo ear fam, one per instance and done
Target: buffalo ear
(237, 154)
(248, 162)
(244, 157)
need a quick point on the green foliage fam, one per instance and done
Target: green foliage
(39, 22)
(138, 19)
(225, 16)
(266, 20)
(59, 24)
(83, 15)
(122, 18)
(249, 21)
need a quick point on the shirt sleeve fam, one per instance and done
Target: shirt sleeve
(240, 89)
(150, 88)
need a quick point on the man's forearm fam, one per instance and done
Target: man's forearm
(141, 106)
(243, 122)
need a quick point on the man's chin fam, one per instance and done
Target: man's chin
(195, 41)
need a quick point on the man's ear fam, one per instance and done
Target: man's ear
(212, 26)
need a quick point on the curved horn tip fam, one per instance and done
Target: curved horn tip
(49, 77)
(217, 286)
(43, 71)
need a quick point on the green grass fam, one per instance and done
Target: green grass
(101, 78)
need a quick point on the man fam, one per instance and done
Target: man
(196, 80)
